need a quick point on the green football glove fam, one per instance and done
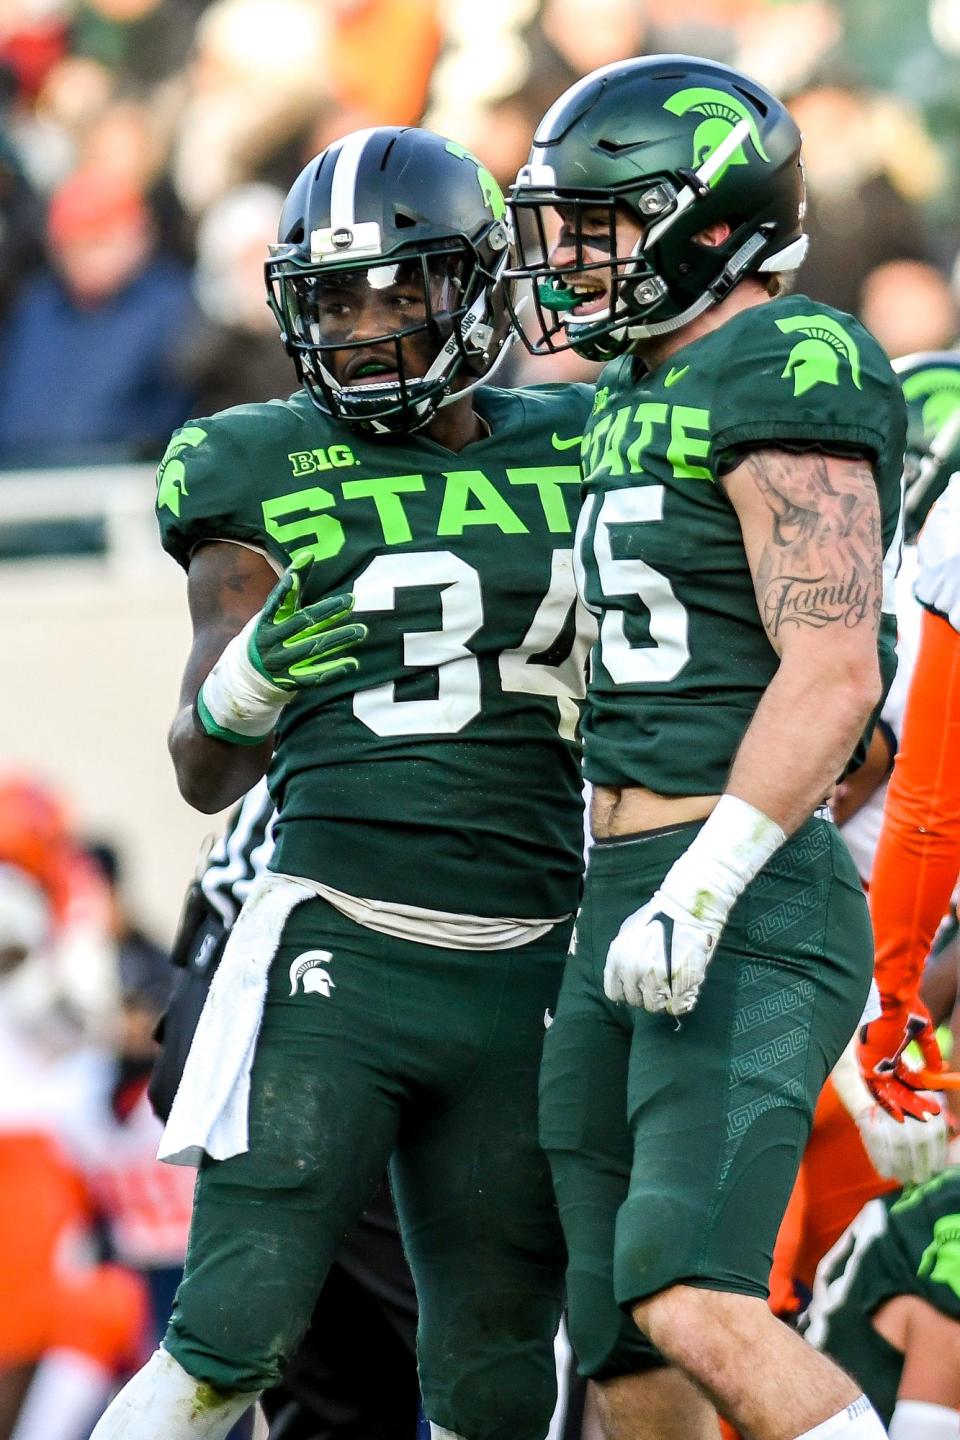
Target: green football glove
(295, 645)
(287, 647)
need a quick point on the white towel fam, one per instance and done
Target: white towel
(210, 1109)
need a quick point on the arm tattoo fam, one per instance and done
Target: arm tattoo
(821, 563)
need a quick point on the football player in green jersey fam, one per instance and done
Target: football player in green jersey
(931, 385)
(384, 990)
(886, 1306)
(741, 487)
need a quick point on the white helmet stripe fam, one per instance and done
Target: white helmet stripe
(718, 158)
(344, 187)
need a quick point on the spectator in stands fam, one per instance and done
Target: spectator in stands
(257, 72)
(73, 1324)
(909, 306)
(232, 356)
(86, 354)
(145, 1205)
(864, 196)
(21, 225)
(145, 40)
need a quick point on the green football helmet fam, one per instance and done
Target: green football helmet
(931, 388)
(407, 223)
(676, 144)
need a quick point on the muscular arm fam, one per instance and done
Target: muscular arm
(811, 528)
(226, 584)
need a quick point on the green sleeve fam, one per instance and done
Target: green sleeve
(805, 377)
(205, 491)
(925, 1223)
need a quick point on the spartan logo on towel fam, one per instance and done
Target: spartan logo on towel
(815, 360)
(308, 971)
(721, 112)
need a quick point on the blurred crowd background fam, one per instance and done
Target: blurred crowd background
(145, 146)
(145, 149)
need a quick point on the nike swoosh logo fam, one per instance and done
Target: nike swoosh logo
(666, 926)
(674, 375)
(559, 444)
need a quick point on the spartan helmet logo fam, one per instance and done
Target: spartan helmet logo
(721, 113)
(489, 189)
(941, 1259)
(308, 968)
(815, 360)
(939, 390)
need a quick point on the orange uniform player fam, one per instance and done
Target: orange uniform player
(919, 853)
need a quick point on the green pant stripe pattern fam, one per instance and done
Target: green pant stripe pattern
(674, 1145)
(372, 1048)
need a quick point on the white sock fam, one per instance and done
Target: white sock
(163, 1402)
(859, 1421)
(66, 1394)
(918, 1420)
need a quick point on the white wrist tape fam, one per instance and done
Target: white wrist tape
(919, 1420)
(849, 1084)
(242, 704)
(859, 1421)
(735, 843)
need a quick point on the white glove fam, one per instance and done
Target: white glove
(908, 1150)
(659, 956)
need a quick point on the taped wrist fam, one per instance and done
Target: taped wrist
(849, 1084)
(236, 702)
(735, 843)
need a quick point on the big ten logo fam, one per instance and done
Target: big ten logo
(311, 462)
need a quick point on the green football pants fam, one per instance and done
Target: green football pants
(429, 1056)
(674, 1145)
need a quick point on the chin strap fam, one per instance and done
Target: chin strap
(734, 270)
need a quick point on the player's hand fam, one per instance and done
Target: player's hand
(911, 1153)
(659, 957)
(889, 1079)
(295, 645)
(285, 648)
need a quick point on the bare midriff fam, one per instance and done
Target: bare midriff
(632, 809)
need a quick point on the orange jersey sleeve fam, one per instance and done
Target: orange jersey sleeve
(918, 857)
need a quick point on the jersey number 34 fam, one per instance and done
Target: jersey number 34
(458, 697)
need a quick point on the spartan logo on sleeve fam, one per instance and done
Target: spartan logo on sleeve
(721, 112)
(940, 1261)
(308, 971)
(818, 357)
(172, 474)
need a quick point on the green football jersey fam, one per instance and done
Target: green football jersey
(906, 1243)
(682, 657)
(446, 775)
